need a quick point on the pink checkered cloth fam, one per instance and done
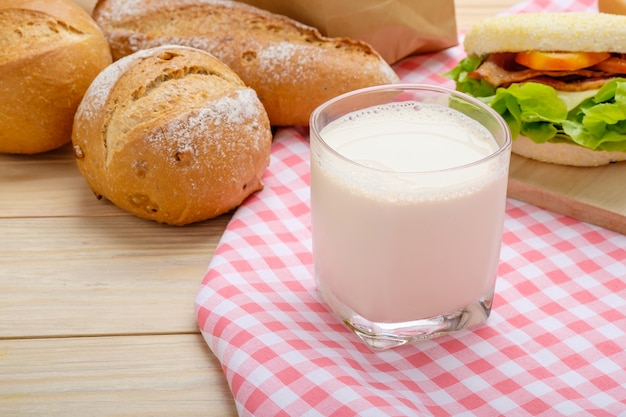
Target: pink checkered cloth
(555, 343)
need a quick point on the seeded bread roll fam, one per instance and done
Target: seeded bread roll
(292, 67)
(50, 52)
(171, 134)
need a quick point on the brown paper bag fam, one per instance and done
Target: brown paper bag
(395, 28)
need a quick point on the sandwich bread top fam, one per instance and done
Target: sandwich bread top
(548, 32)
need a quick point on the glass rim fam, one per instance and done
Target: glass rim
(502, 148)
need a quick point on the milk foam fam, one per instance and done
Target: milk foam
(410, 137)
(403, 152)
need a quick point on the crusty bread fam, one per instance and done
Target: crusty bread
(549, 31)
(173, 135)
(51, 51)
(292, 67)
(612, 6)
(564, 153)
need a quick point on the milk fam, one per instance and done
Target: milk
(408, 237)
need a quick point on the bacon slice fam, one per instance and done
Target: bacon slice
(614, 65)
(501, 70)
(582, 84)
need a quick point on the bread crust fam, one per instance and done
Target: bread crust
(54, 51)
(564, 153)
(612, 6)
(292, 67)
(549, 32)
(171, 134)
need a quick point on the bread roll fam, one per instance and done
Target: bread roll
(171, 134)
(292, 67)
(612, 6)
(51, 51)
(550, 32)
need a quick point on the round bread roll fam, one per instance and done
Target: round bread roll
(562, 32)
(51, 51)
(564, 153)
(173, 135)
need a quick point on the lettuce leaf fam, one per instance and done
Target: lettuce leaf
(465, 84)
(536, 111)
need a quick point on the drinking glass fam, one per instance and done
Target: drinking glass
(408, 194)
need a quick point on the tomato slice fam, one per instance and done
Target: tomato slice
(560, 61)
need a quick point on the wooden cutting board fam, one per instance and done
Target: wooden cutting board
(594, 195)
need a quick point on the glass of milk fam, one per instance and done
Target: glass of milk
(408, 190)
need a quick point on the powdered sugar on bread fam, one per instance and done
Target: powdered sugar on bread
(97, 93)
(204, 129)
(173, 135)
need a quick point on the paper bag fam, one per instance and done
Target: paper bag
(395, 28)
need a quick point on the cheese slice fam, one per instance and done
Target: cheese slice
(574, 98)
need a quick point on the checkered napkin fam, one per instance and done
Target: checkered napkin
(555, 343)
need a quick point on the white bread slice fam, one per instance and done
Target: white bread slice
(564, 153)
(549, 32)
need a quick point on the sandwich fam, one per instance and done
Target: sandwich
(558, 79)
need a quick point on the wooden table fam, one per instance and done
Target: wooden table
(96, 305)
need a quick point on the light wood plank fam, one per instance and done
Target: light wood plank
(112, 376)
(50, 185)
(594, 195)
(101, 275)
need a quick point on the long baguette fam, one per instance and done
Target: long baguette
(291, 66)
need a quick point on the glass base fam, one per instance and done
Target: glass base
(382, 336)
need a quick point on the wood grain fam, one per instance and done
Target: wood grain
(112, 376)
(62, 191)
(594, 195)
(101, 275)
